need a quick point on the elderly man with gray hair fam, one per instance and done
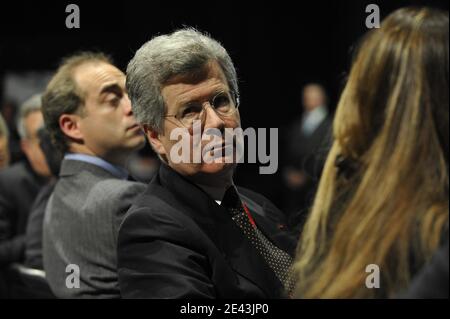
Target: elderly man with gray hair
(20, 183)
(193, 233)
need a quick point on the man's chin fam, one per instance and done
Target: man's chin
(136, 143)
(217, 168)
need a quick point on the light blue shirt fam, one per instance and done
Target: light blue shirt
(117, 171)
(313, 119)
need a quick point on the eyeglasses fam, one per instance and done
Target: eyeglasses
(222, 103)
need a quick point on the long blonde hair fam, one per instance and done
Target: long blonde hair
(383, 195)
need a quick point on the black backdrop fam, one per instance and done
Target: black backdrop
(277, 47)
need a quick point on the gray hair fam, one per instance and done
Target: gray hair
(33, 104)
(4, 132)
(184, 51)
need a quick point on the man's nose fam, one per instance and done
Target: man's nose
(127, 105)
(212, 119)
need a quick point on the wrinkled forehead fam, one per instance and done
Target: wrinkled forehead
(91, 77)
(209, 70)
(200, 84)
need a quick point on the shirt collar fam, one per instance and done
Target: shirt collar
(117, 171)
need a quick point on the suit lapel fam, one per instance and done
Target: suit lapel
(278, 237)
(243, 256)
(217, 223)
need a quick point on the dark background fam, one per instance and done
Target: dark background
(276, 47)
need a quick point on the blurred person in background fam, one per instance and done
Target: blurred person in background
(33, 246)
(307, 141)
(20, 183)
(4, 144)
(9, 110)
(383, 197)
(29, 122)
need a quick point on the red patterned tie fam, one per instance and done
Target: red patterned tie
(278, 260)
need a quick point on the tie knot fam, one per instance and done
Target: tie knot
(231, 200)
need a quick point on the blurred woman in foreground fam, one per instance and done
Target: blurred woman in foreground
(383, 196)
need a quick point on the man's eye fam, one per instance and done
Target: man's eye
(115, 101)
(190, 111)
(221, 101)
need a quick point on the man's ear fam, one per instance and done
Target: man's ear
(70, 126)
(154, 140)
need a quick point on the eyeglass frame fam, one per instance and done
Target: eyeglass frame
(234, 100)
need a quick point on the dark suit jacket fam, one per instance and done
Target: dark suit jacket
(431, 282)
(19, 186)
(33, 235)
(177, 242)
(80, 227)
(308, 152)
